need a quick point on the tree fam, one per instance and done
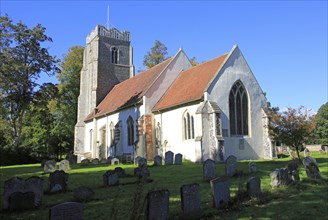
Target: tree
(292, 127)
(22, 60)
(321, 131)
(156, 55)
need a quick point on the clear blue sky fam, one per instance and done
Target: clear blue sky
(284, 42)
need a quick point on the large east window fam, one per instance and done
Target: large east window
(238, 109)
(188, 126)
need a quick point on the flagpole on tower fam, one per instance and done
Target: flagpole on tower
(107, 16)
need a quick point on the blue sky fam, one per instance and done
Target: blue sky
(284, 42)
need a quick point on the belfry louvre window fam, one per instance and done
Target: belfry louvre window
(130, 131)
(238, 109)
(114, 54)
(188, 126)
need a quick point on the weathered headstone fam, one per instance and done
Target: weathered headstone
(72, 159)
(58, 181)
(158, 205)
(220, 192)
(231, 166)
(136, 160)
(104, 161)
(49, 166)
(254, 186)
(95, 161)
(64, 165)
(35, 185)
(110, 178)
(283, 176)
(12, 185)
(326, 148)
(190, 199)
(19, 201)
(110, 159)
(252, 167)
(169, 158)
(158, 160)
(83, 194)
(178, 159)
(85, 162)
(66, 211)
(142, 162)
(115, 161)
(209, 170)
(311, 168)
(306, 152)
(120, 171)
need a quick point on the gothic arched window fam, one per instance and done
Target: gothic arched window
(91, 139)
(238, 109)
(188, 126)
(114, 54)
(130, 128)
(112, 133)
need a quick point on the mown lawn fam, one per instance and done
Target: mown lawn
(308, 200)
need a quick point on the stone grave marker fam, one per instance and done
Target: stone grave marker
(120, 171)
(35, 185)
(144, 174)
(72, 159)
(306, 152)
(110, 178)
(66, 211)
(49, 166)
(252, 167)
(158, 160)
(169, 158)
(142, 162)
(109, 159)
(311, 168)
(254, 186)
(64, 165)
(209, 170)
(136, 160)
(12, 185)
(104, 161)
(231, 165)
(83, 194)
(190, 199)
(220, 192)
(178, 159)
(19, 201)
(58, 181)
(115, 161)
(95, 161)
(85, 162)
(326, 148)
(158, 205)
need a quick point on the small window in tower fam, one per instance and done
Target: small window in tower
(114, 55)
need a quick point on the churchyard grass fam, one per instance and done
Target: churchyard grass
(308, 200)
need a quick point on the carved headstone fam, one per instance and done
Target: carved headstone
(72, 159)
(178, 159)
(142, 162)
(35, 185)
(311, 168)
(158, 205)
(95, 161)
(83, 194)
(19, 201)
(306, 152)
(284, 176)
(190, 199)
(120, 171)
(64, 165)
(158, 160)
(115, 161)
(110, 178)
(12, 185)
(254, 186)
(220, 192)
(49, 166)
(85, 162)
(252, 167)
(66, 211)
(58, 181)
(169, 158)
(209, 170)
(231, 165)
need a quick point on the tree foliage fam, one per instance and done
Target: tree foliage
(292, 127)
(321, 131)
(156, 55)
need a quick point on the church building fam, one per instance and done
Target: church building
(209, 111)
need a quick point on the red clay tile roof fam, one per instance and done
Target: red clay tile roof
(191, 84)
(129, 92)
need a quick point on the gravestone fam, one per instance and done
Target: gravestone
(306, 152)
(115, 161)
(85, 162)
(142, 162)
(136, 160)
(66, 211)
(72, 159)
(49, 166)
(209, 170)
(220, 192)
(190, 199)
(95, 161)
(158, 160)
(284, 176)
(12, 185)
(110, 178)
(35, 185)
(64, 165)
(178, 159)
(231, 166)
(83, 194)
(169, 158)
(104, 161)
(326, 148)
(158, 205)
(109, 159)
(311, 168)
(254, 186)
(58, 181)
(144, 174)
(19, 201)
(252, 167)
(120, 171)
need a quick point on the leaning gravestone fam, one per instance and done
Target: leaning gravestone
(231, 165)
(190, 199)
(158, 160)
(49, 166)
(220, 192)
(83, 194)
(110, 178)
(66, 211)
(64, 165)
(19, 201)
(142, 162)
(158, 205)
(306, 152)
(209, 170)
(254, 186)
(252, 167)
(169, 158)
(115, 161)
(58, 181)
(178, 159)
(284, 176)
(311, 168)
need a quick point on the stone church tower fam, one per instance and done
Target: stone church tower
(107, 61)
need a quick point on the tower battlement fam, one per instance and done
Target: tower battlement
(111, 33)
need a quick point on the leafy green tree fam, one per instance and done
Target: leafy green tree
(321, 130)
(22, 60)
(292, 127)
(156, 55)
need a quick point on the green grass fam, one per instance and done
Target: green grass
(309, 200)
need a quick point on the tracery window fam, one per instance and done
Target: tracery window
(130, 128)
(188, 126)
(114, 55)
(238, 109)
